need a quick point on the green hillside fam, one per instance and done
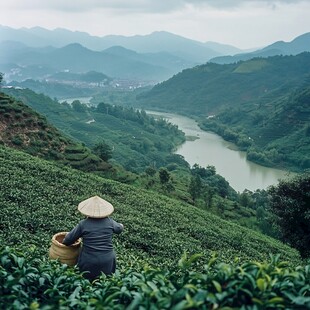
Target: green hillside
(24, 129)
(262, 105)
(137, 140)
(208, 88)
(275, 132)
(41, 200)
(145, 143)
(171, 255)
(158, 229)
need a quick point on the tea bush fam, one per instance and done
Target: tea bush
(28, 282)
(39, 199)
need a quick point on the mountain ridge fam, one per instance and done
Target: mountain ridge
(225, 96)
(297, 45)
(79, 59)
(198, 52)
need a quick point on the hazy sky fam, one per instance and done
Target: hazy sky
(242, 23)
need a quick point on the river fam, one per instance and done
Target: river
(206, 148)
(210, 149)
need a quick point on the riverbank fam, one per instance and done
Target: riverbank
(209, 149)
(262, 149)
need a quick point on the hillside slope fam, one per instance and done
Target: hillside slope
(278, 129)
(137, 140)
(157, 229)
(262, 105)
(24, 129)
(208, 88)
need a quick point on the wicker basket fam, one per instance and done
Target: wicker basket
(65, 254)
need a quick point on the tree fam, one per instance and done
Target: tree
(103, 108)
(103, 150)
(78, 106)
(164, 175)
(208, 196)
(290, 203)
(1, 78)
(220, 206)
(150, 171)
(195, 187)
(245, 199)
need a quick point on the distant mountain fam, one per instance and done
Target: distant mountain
(40, 37)
(209, 88)
(162, 41)
(224, 49)
(116, 62)
(190, 50)
(296, 46)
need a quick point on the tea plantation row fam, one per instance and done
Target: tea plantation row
(27, 282)
(39, 199)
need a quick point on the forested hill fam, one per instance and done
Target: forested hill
(207, 89)
(262, 105)
(135, 140)
(276, 132)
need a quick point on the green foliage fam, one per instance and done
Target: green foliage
(208, 88)
(290, 202)
(30, 282)
(256, 104)
(251, 66)
(164, 176)
(150, 171)
(195, 187)
(103, 150)
(210, 179)
(274, 130)
(246, 199)
(145, 145)
(41, 199)
(78, 106)
(137, 139)
(29, 131)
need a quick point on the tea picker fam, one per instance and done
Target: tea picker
(95, 252)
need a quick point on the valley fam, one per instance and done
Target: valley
(202, 148)
(210, 149)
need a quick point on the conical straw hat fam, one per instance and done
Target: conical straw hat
(95, 207)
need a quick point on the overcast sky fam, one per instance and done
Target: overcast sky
(242, 23)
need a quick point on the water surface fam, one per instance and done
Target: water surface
(211, 149)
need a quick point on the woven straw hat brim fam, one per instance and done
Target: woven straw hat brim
(95, 207)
